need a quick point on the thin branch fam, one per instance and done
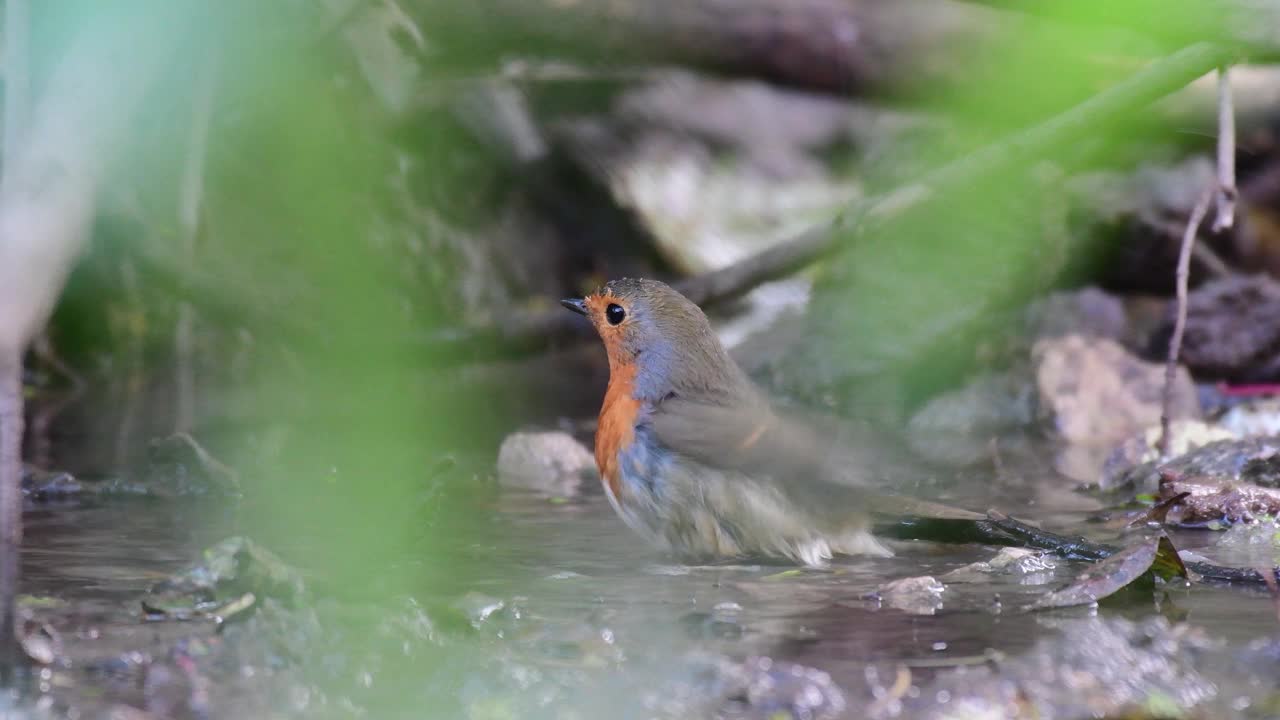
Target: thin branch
(46, 207)
(1226, 154)
(17, 83)
(10, 505)
(1180, 321)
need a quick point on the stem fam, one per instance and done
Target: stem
(1226, 153)
(10, 505)
(16, 101)
(1180, 321)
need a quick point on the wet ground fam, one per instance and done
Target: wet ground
(567, 615)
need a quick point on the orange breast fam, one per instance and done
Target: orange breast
(617, 425)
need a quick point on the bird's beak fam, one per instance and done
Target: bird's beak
(577, 305)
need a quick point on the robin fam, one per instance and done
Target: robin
(694, 457)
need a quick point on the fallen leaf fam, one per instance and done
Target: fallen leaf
(1107, 577)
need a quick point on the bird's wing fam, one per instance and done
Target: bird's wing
(833, 468)
(807, 458)
(741, 436)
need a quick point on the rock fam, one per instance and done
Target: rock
(548, 462)
(1217, 500)
(1091, 391)
(1142, 214)
(1232, 331)
(916, 595)
(477, 607)
(1088, 311)
(179, 465)
(1255, 460)
(1184, 436)
(230, 578)
(40, 642)
(1252, 419)
(1093, 395)
(40, 484)
(956, 427)
(1030, 566)
(716, 171)
(1136, 460)
(1254, 545)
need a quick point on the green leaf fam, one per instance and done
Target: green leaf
(1168, 564)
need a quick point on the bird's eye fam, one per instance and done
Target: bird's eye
(614, 314)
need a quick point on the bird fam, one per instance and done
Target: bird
(696, 458)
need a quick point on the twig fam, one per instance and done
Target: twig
(776, 262)
(189, 223)
(10, 505)
(538, 331)
(1180, 321)
(1226, 153)
(16, 107)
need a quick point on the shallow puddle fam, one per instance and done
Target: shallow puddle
(565, 614)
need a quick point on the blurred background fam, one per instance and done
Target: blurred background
(317, 251)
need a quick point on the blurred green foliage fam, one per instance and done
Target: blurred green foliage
(340, 422)
(936, 292)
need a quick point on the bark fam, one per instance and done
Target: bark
(46, 204)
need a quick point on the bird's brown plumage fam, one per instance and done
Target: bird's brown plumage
(695, 456)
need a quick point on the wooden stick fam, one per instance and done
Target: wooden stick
(1226, 154)
(17, 84)
(46, 207)
(1180, 321)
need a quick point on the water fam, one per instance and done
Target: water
(566, 614)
